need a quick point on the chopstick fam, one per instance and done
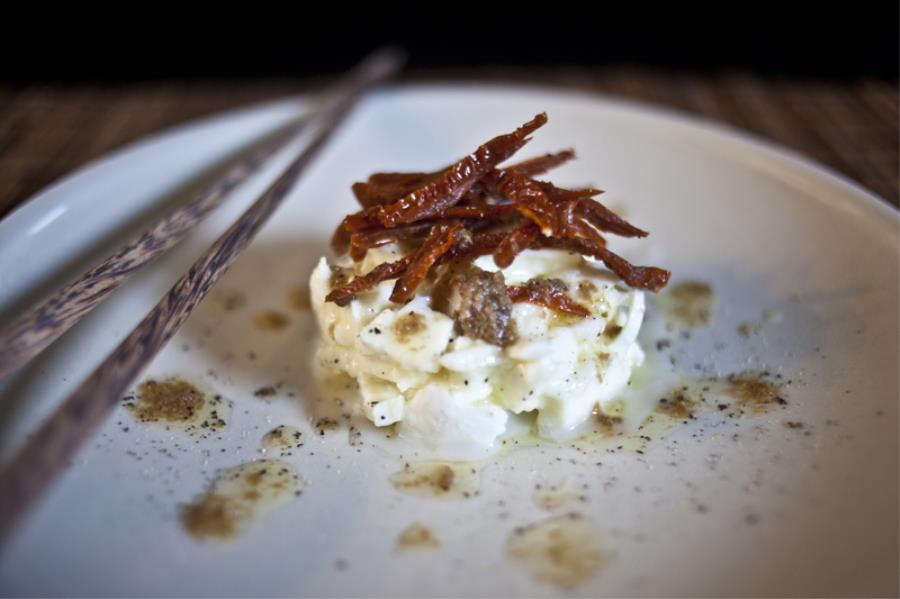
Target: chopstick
(44, 453)
(30, 333)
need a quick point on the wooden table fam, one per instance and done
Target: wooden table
(48, 130)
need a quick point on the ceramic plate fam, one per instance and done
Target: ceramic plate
(799, 500)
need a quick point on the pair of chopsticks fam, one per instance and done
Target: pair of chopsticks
(34, 466)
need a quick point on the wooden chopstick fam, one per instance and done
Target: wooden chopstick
(24, 478)
(30, 333)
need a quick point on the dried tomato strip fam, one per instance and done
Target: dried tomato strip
(472, 209)
(358, 221)
(574, 226)
(373, 195)
(361, 242)
(368, 195)
(558, 194)
(650, 278)
(384, 188)
(364, 219)
(413, 179)
(340, 239)
(520, 238)
(383, 272)
(528, 197)
(596, 213)
(448, 188)
(480, 212)
(481, 217)
(438, 243)
(548, 293)
(541, 164)
(606, 220)
(480, 244)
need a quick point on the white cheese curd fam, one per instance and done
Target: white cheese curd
(454, 393)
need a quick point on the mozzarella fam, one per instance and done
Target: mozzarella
(447, 421)
(450, 391)
(414, 336)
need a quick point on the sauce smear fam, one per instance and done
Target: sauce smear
(179, 403)
(237, 497)
(437, 479)
(417, 537)
(564, 551)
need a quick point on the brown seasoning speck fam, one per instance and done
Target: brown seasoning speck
(677, 405)
(753, 392)
(409, 324)
(172, 400)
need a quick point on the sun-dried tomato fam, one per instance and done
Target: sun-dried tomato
(520, 238)
(480, 212)
(575, 226)
(361, 242)
(596, 213)
(559, 195)
(385, 271)
(650, 278)
(528, 197)
(606, 220)
(447, 189)
(362, 220)
(384, 188)
(473, 208)
(340, 239)
(541, 164)
(438, 243)
(550, 293)
(480, 244)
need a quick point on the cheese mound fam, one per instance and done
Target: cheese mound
(455, 393)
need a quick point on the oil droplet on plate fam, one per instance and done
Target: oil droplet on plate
(564, 551)
(270, 320)
(298, 299)
(688, 304)
(552, 498)
(237, 497)
(678, 405)
(753, 392)
(179, 403)
(417, 537)
(227, 299)
(282, 439)
(437, 479)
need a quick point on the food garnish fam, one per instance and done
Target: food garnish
(473, 208)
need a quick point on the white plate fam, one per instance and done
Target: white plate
(770, 512)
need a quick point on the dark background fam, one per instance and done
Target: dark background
(126, 43)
